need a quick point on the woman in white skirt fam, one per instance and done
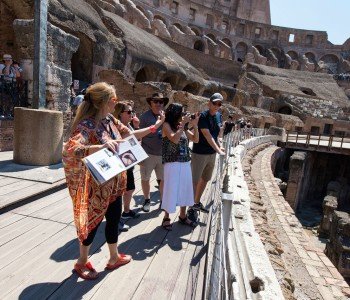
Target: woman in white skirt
(178, 187)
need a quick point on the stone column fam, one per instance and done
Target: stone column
(60, 48)
(296, 183)
(38, 134)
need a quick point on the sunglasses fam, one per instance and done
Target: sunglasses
(129, 112)
(217, 103)
(158, 101)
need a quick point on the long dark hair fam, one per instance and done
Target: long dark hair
(173, 114)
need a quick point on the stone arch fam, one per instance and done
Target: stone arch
(172, 79)
(241, 51)
(178, 26)
(158, 17)
(328, 63)
(260, 49)
(225, 25)
(330, 59)
(212, 37)
(227, 42)
(192, 88)
(141, 9)
(207, 93)
(147, 73)
(285, 110)
(311, 57)
(293, 55)
(196, 31)
(82, 60)
(199, 45)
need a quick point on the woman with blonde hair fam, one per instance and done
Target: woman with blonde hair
(125, 113)
(94, 128)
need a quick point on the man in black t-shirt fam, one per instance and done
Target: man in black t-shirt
(204, 152)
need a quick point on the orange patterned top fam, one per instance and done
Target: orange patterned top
(90, 201)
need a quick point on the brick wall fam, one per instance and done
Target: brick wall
(6, 135)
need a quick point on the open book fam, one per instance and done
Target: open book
(104, 164)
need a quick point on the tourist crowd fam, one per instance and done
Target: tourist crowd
(103, 121)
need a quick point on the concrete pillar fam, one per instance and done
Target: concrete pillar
(38, 137)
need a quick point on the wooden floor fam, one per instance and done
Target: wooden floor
(16, 189)
(38, 248)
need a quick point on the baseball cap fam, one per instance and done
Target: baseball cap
(216, 97)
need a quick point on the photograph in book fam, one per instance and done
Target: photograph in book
(104, 164)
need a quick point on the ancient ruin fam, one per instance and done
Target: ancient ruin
(293, 81)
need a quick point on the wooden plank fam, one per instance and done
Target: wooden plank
(7, 180)
(7, 219)
(40, 262)
(15, 186)
(25, 190)
(14, 249)
(15, 230)
(41, 203)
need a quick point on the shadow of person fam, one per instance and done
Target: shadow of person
(155, 198)
(70, 250)
(147, 244)
(69, 288)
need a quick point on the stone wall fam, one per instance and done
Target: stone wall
(338, 247)
(6, 135)
(60, 48)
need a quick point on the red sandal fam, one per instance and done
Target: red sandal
(123, 259)
(81, 269)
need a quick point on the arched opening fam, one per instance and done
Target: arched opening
(225, 25)
(196, 31)
(82, 60)
(241, 51)
(141, 9)
(227, 42)
(260, 49)
(199, 45)
(172, 80)
(207, 93)
(157, 17)
(178, 26)
(147, 73)
(192, 88)
(307, 91)
(212, 37)
(311, 57)
(293, 55)
(330, 59)
(285, 110)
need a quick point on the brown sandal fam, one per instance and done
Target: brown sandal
(166, 224)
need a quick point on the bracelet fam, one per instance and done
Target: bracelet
(152, 129)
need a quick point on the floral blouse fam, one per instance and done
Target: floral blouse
(90, 200)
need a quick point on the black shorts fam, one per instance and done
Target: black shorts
(130, 180)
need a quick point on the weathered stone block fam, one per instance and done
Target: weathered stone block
(38, 137)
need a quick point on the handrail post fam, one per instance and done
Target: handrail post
(296, 139)
(319, 138)
(341, 142)
(287, 137)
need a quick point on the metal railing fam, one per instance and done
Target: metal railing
(218, 279)
(307, 139)
(13, 93)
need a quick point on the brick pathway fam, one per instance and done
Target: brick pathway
(326, 278)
